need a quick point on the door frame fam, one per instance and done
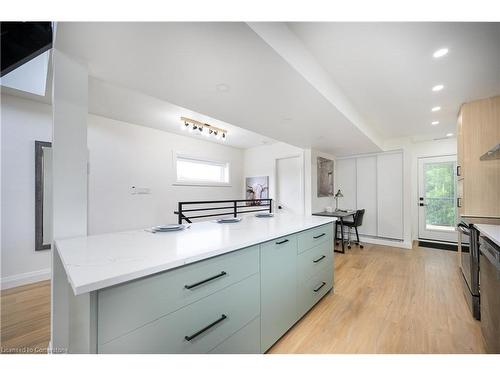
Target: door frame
(425, 234)
(301, 158)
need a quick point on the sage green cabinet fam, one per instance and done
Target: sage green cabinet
(310, 291)
(196, 328)
(240, 302)
(150, 298)
(278, 267)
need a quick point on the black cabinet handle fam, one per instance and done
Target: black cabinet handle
(321, 286)
(189, 338)
(281, 242)
(459, 202)
(223, 273)
(459, 170)
(319, 259)
(319, 235)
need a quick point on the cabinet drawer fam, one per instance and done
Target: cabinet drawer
(313, 260)
(196, 328)
(311, 291)
(131, 305)
(315, 236)
(245, 341)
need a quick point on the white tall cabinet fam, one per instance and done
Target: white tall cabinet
(366, 193)
(374, 182)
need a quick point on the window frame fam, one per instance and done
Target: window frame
(224, 163)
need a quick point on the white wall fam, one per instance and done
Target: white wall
(261, 161)
(22, 122)
(413, 151)
(124, 155)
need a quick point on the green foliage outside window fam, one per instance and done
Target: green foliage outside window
(440, 193)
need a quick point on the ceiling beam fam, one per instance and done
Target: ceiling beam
(284, 41)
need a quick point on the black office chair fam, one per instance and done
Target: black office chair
(358, 221)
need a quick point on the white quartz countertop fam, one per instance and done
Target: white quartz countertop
(491, 231)
(99, 261)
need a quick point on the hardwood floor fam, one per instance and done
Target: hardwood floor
(386, 300)
(25, 318)
(389, 300)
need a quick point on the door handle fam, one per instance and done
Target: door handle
(459, 202)
(422, 204)
(319, 287)
(196, 334)
(319, 259)
(223, 273)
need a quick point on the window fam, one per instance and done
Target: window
(201, 172)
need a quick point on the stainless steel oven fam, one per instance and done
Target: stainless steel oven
(468, 247)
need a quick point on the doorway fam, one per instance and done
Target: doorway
(437, 213)
(289, 185)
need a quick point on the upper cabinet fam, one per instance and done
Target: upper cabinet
(478, 130)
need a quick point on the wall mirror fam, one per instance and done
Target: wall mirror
(43, 195)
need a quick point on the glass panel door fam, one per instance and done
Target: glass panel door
(437, 199)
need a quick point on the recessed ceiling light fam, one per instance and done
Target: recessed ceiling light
(438, 88)
(435, 109)
(222, 87)
(435, 122)
(440, 52)
(449, 135)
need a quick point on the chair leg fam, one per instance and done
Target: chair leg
(335, 236)
(348, 237)
(357, 237)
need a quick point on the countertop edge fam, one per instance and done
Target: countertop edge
(485, 230)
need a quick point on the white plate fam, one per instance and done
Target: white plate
(264, 214)
(168, 228)
(229, 220)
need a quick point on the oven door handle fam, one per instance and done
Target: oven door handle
(464, 229)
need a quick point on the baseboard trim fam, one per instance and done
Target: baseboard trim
(24, 278)
(386, 242)
(438, 245)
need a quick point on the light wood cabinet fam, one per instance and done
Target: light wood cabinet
(478, 130)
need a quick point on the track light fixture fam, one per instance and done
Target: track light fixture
(204, 128)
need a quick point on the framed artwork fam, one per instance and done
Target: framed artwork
(325, 177)
(257, 188)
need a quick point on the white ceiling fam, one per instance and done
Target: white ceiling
(382, 72)
(119, 103)
(183, 63)
(387, 70)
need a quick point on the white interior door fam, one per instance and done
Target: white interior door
(437, 214)
(289, 187)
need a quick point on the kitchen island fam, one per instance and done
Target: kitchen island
(222, 288)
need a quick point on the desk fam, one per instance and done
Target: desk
(341, 215)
